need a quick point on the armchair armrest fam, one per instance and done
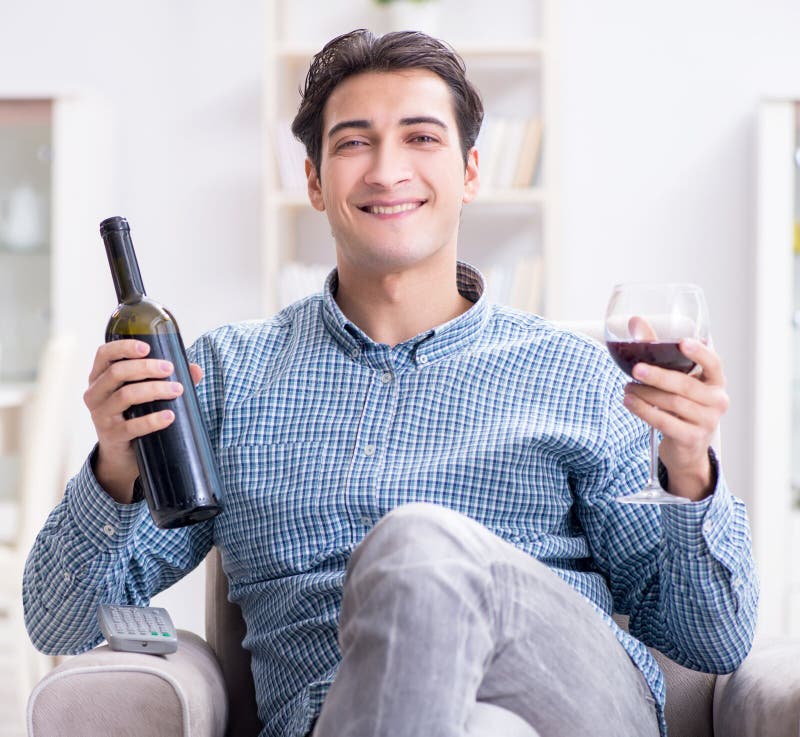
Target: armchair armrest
(104, 692)
(762, 698)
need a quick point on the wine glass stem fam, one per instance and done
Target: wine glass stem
(653, 482)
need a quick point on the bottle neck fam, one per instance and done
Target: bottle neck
(124, 267)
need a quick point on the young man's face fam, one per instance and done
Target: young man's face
(392, 176)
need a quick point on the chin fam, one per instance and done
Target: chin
(402, 261)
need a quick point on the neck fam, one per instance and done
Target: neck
(391, 308)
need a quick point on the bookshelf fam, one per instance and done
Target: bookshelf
(54, 189)
(511, 230)
(775, 510)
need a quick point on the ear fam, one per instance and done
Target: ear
(472, 180)
(314, 187)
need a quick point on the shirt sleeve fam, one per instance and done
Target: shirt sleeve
(94, 550)
(684, 574)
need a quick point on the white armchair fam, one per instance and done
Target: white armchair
(41, 436)
(205, 689)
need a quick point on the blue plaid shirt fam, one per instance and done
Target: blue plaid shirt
(320, 432)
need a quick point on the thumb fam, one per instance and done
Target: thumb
(196, 372)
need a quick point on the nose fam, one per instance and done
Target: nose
(389, 165)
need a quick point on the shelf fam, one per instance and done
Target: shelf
(15, 393)
(301, 53)
(521, 196)
(290, 199)
(14, 397)
(9, 521)
(34, 250)
(515, 74)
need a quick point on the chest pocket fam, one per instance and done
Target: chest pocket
(271, 524)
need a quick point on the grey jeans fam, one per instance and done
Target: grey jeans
(438, 613)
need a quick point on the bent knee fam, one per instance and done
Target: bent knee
(422, 532)
(422, 523)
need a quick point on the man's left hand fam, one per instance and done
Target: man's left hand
(686, 409)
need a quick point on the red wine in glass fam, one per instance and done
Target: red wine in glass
(664, 353)
(645, 323)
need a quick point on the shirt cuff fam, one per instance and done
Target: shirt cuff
(700, 526)
(103, 521)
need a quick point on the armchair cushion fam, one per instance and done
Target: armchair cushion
(689, 695)
(689, 699)
(104, 692)
(763, 696)
(225, 632)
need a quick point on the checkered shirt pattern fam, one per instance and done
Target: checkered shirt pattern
(320, 432)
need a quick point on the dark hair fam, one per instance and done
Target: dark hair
(362, 51)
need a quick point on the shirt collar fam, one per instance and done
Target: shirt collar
(430, 345)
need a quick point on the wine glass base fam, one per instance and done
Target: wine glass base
(654, 496)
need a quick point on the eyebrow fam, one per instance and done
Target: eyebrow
(366, 124)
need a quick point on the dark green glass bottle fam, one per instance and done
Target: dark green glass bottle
(177, 469)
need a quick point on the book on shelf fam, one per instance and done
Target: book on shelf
(517, 284)
(297, 280)
(490, 149)
(509, 148)
(290, 156)
(527, 283)
(529, 154)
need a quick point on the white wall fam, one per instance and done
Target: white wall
(658, 130)
(658, 134)
(182, 79)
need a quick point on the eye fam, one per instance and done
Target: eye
(424, 138)
(350, 143)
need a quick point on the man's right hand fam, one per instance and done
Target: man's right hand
(114, 386)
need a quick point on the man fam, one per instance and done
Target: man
(458, 461)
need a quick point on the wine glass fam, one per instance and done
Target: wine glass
(645, 323)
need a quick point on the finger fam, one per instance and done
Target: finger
(196, 372)
(640, 329)
(706, 358)
(114, 429)
(707, 414)
(116, 350)
(675, 382)
(141, 392)
(669, 425)
(121, 372)
(146, 424)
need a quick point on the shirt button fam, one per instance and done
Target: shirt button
(366, 521)
(369, 450)
(67, 577)
(707, 527)
(355, 353)
(109, 530)
(386, 377)
(422, 359)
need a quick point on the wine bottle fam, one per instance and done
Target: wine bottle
(177, 470)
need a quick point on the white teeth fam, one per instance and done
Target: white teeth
(379, 210)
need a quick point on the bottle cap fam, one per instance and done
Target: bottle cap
(114, 223)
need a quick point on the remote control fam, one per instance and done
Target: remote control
(137, 629)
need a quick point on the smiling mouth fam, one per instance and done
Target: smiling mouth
(392, 209)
